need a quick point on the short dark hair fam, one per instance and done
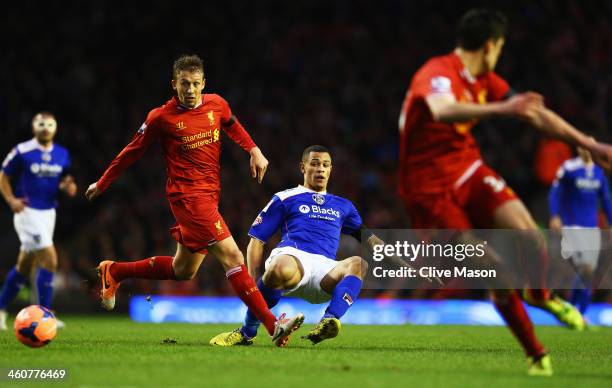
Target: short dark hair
(477, 26)
(187, 62)
(314, 148)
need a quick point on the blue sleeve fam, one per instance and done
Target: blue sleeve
(352, 221)
(67, 167)
(12, 163)
(604, 195)
(554, 196)
(268, 221)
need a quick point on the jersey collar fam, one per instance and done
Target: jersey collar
(306, 189)
(41, 147)
(463, 71)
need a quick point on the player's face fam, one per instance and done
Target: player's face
(492, 52)
(189, 86)
(44, 128)
(316, 170)
(584, 155)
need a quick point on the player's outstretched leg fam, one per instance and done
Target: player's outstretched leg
(245, 335)
(514, 215)
(511, 308)
(350, 272)
(112, 273)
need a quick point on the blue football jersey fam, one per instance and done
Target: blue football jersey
(308, 220)
(577, 193)
(36, 173)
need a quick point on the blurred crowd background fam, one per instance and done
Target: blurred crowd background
(317, 72)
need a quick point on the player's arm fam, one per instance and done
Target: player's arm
(67, 184)
(255, 251)
(444, 107)
(16, 204)
(554, 201)
(234, 129)
(145, 136)
(553, 125)
(10, 166)
(266, 223)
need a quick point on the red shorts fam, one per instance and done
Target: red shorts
(470, 203)
(198, 222)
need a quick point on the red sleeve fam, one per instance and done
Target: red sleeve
(141, 141)
(234, 129)
(432, 78)
(498, 87)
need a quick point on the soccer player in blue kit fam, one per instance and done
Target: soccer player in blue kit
(574, 200)
(36, 170)
(304, 263)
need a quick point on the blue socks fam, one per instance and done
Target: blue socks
(581, 294)
(12, 284)
(251, 323)
(44, 284)
(344, 295)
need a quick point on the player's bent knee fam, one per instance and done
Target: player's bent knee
(356, 266)
(281, 270)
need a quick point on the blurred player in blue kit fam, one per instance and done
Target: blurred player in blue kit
(32, 175)
(304, 263)
(574, 201)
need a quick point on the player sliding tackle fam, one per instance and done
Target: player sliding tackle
(188, 128)
(303, 264)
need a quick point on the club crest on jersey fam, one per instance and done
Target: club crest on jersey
(211, 117)
(219, 227)
(347, 298)
(46, 157)
(257, 221)
(318, 198)
(180, 125)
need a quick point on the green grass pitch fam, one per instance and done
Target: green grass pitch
(113, 351)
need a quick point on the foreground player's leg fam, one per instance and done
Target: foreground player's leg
(344, 282)
(233, 262)
(283, 273)
(13, 282)
(512, 310)
(156, 267)
(514, 215)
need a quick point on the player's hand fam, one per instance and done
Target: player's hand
(555, 224)
(92, 192)
(17, 204)
(602, 154)
(526, 106)
(68, 186)
(259, 164)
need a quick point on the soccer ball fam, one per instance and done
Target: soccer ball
(35, 326)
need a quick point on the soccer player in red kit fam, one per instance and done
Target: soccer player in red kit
(443, 180)
(188, 126)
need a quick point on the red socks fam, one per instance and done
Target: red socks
(247, 291)
(156, 267)
(515, 315)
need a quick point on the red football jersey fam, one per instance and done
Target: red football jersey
(191, 143)
(433, 155)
